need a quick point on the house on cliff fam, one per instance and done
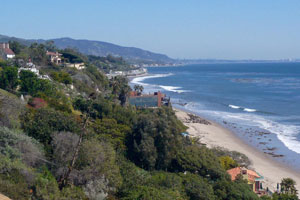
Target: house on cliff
(157, 99)
(5, 52)
(54, 57)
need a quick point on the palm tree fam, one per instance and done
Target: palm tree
(139, 89)
(288, 186)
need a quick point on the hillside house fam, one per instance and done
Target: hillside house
(5, 52)
(54, 57)
(78, 66)
(157, 99)
(254, 179)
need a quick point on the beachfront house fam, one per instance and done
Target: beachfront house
(255, 180)
(54, 57)
(157, 99)
(5, 52)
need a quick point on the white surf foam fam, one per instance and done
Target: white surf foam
(172, 89)
(234, 107)
(249, 110)
(242, 108)
(139, 80)
(286, 133)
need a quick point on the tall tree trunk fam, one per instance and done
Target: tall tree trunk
(64, 179)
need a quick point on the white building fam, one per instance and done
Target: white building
(34, 70)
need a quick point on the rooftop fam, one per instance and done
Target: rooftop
(252, 175)
(8, 51)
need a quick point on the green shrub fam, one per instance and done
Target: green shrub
(42, 123)
(227, 162)
(62, 77)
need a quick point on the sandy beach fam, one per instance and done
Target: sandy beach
(214, 135)
(2, 197)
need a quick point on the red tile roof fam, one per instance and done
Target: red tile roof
(252, 175)
(236, 171)
(8, 51)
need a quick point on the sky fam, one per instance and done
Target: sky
(192, 29)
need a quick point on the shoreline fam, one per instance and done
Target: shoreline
(215, 135)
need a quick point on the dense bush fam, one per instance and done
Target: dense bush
(42, 123)
(62, 77)
(155, 139)
(199, 160)
(11, 107)
(227, 162)
(9, 78)
(18, 154)
(96, 169)
(31, 84)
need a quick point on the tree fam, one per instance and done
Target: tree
(110, 130)
(120, 88)
(139, 89)
(28, 82)
(63, 144)
(62, 77)
(282, 196)
(199, 160)
(9, 78)
(156, 139)
(227, 162)
(31, 84)
(96, 169)
(198, 188)
(16, 47)
(63, 181)
(37, 53)
(50, 46)
(42, 123)
(288, 186)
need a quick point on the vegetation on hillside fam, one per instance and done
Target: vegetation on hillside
(86, 142)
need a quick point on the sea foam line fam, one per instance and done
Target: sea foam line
(173, 88)
(285, 133)
(139, 80)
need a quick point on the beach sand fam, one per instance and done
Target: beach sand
(214, 135)
(2, 197)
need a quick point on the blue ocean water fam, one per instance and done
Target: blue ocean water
(260, 102)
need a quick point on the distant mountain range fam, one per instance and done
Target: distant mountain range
(98, 48)
(131, 54)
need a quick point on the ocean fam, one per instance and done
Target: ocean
(259, 102)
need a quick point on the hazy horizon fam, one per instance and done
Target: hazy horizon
(187, 30)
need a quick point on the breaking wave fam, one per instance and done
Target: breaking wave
(173, 89)
(249, 110)
(286, 133)
(234, 107)
(242, 108)
(139, 80)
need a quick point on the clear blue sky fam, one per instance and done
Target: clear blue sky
(225, 29)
